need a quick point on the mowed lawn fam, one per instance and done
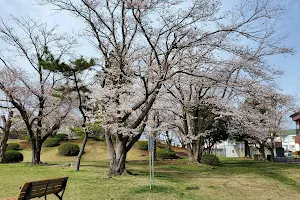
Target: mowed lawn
(234, 179)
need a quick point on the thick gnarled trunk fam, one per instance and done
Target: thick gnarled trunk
(36, 152)
(195, 151)
(117, 164)
(118, 152)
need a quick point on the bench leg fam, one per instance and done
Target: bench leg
(59, 197)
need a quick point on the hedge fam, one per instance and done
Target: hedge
(163, 153)
(12, 156)
(97, 138)
(27, 138)
(51, 142)
(13, 146)
(143, 145)
(210, 160)
(68, 149)
(61, 136)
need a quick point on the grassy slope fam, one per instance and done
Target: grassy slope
(94, 151)
(235, 179)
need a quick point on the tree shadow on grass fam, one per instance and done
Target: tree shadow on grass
(180, 173)
(265, 169)
(156, 189)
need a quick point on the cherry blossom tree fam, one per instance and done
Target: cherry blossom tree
(144, 44)
(268, 112)
(33, 92)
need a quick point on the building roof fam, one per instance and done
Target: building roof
(295, 114)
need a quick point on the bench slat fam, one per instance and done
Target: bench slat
(45, 182)
(49, 185)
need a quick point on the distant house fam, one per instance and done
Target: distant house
(288, 140)
(232, 148)
(296, 118)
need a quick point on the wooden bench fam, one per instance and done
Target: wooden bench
(168, 158)
(42, 188)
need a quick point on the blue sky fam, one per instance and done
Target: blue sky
(290, 64)
(291, 25)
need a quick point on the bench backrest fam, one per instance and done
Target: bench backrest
(41, 188)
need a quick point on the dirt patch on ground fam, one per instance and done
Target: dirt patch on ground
(25, 145)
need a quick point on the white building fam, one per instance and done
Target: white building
(231, 148)
(288, 140)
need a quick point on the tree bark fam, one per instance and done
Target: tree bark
(3, 146)
(195, 151)
(247, 149)
(81, 150)
(6, 130)
(262, 152)
(154, 150)
(118, 153)
(168, 141)
(272, 154)
(118, 159)
(36, 151)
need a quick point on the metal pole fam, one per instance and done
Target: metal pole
(152, 167)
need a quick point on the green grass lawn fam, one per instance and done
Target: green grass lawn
(234, 179)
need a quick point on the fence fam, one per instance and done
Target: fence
(289, 160)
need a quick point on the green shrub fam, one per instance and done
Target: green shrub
(161, 145)
(13, 146)
(97, 138)
(27, 138)
(51, 142)
(163, 153)
(12, 156)
(61, 136)
(143, 145)
(210, 160)
(77, 131)
(81, 137)
(68, 149)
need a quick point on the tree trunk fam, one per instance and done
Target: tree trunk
(209, 149)
(3, 146)
(194, 151)
(117, 164)
(36, 151)
(183, 145)
(247, 149)
(6, 130)
(154, 150)
(81, 150)
(168, 141)
(262, 152)
(272, 154)
(118, 160)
